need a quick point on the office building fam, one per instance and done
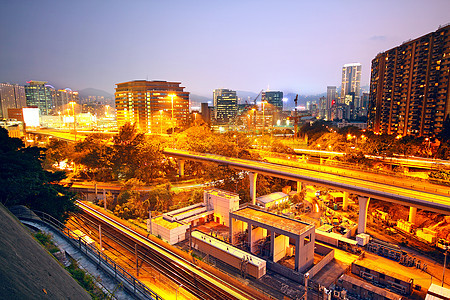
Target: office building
(225, 104)
(40, 95)
(11, 96)
(351, 85)
(274, 98)
(152, 105)
(63, 98)
(206, 113)
(332, 97)
(409, 86)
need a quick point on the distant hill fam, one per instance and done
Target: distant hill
(94, 92)
(247, 96)
(199, 99)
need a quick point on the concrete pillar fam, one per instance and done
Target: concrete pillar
(297, 254)
(299, 186)
(412, 214)
(272, 244)
(180, 167)
(362, 220)
(345, 202)
(250, 236)
(252, 178)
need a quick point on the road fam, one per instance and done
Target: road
(394, 191)
(202, 284)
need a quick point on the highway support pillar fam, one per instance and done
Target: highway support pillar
(252, 178)
(412, 214)
(345, 201)
(362, 220)
(180, 167)
(299, 186)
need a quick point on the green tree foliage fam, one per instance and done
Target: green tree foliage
(134, 203)
(126, 147)
(23, 181)
(316, 129)
(95, 155)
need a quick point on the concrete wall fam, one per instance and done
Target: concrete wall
(286, 272)
(328, 256)
(280, 244)
(221, 205)
(306, 249)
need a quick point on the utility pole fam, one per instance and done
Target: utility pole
(445, 265)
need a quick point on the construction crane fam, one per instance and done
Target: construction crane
(256, 98)
(297, 117)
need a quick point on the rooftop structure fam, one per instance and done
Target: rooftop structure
(270, 235)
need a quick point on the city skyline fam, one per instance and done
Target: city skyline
(301, 48)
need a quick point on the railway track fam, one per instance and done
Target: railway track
(199, 283)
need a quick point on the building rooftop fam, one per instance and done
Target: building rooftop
(252, 259)
(271, 197)
(273, 220)
(165, 223)
(437, 292)
(221, 193)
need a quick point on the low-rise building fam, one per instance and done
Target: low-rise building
(272, 200)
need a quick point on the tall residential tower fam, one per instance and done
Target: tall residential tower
(409, 86)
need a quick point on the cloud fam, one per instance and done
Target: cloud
(378, 38)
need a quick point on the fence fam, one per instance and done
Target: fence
(130, 283)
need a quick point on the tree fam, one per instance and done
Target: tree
(95, 155)
(23, 181)
(125, 158)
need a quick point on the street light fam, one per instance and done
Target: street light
(264, 117)
(160, 121)
(74, 119)
(173, 127)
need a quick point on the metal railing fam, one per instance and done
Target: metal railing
(130, 283)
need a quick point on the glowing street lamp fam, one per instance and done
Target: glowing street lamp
(74, 119)
(173, 127)
(160, 121)
(264, 117)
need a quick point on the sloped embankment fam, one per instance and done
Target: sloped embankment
(27, 270)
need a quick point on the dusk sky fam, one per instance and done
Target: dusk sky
(292, 46)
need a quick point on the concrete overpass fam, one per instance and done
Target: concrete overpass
(415, 196)
(410, 162)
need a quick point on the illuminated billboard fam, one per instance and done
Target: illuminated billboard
(31, 116)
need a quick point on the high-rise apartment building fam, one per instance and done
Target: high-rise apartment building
(64, 97)
(152, 105)
(351, 86)
(225, 105)
(332, 98)
(409, 86)
(41, 95)
(11, 96)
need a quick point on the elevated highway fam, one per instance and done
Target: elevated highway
(416, 196)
